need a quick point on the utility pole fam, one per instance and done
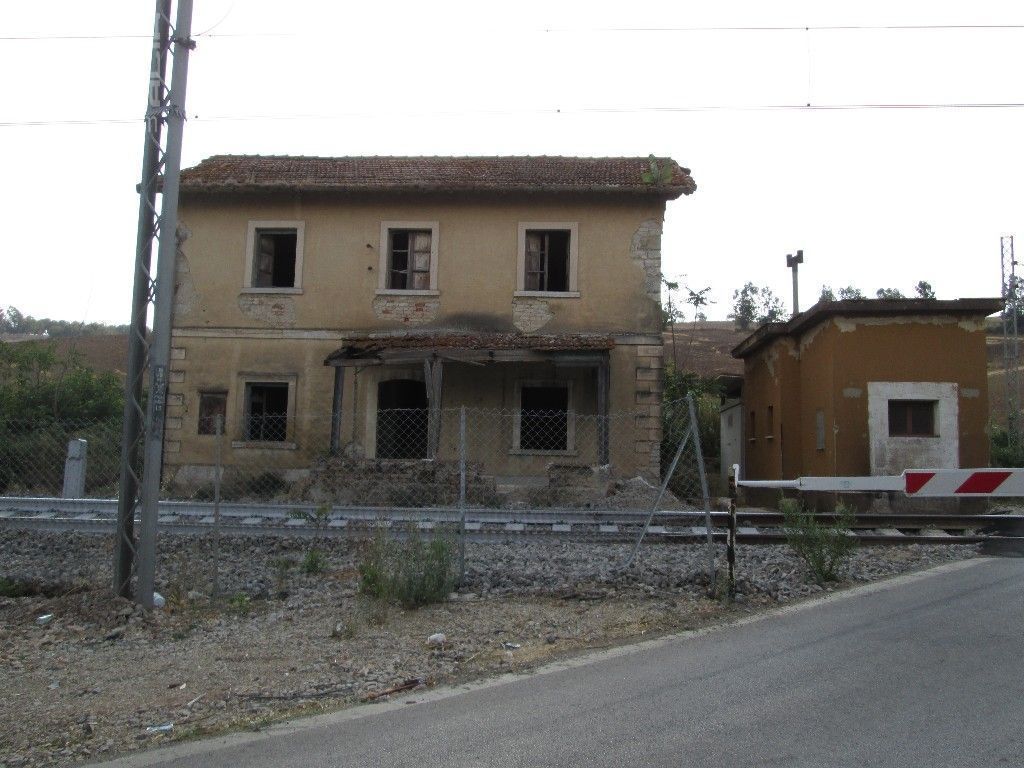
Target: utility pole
(142, 439)
(793, 263)
(1011, 339)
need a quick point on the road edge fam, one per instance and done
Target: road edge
(173, 751)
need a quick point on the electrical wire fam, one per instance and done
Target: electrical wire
(790, 28)
(552, 111)
(766, 28)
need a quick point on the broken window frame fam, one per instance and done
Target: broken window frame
(212, 403)
(389, 275)
(539, 285)
(253, 283)
(411, 273)
(518, 420)
(904, 415)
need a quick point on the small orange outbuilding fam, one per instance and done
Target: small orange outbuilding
(865, 387)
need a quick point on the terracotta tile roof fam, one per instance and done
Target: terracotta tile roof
(368, 346)
(825, 310)
(255, 173)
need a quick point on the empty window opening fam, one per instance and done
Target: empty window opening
(819, 430)
(266, 412)
(912, 418)
(770, 421)
(274, 262)
(752, 432)
(402, 419)
(409, 259)
(547, 260)
(212, 405)
(544, 418)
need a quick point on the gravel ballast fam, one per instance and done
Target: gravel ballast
(101, 677)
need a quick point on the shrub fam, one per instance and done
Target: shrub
(823, 547)
(1005, 452)
(412, 572)
(314, 562)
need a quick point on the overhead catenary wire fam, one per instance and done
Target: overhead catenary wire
(553, 111)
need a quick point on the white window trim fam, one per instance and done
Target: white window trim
(244, 380)
(385, 242)
(250, 254)
(570, 437)
(573, 228)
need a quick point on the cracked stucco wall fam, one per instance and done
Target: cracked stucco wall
(645, 249)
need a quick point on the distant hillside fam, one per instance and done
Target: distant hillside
(704, 348)
(102, 354)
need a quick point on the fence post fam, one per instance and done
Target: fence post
(217, 471)
(462, 495)
(74, 469)
(657, 500)
(695, 427)
(731, 554)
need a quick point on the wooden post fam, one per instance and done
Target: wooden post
(339, 390)
(603, 385)
(432, 372)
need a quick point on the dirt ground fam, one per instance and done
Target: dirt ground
(91, 681)
(85, 676)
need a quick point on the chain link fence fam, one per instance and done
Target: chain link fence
(404, 458)
(468, 474)
(33, 455)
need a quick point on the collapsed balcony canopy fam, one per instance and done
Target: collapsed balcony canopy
(471, 348)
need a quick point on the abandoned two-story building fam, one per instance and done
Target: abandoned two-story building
(316, 294)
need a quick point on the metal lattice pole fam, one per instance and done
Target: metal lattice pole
(1011, 340)
(139, 491)
(134, 413)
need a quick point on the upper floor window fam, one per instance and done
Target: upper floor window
(274, 256)
(547, 259)
(409, 259)
(408, 256)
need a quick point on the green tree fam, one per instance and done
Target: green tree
(754, 305)
(827, 294)
(924, 290)
(889, 293)
(849, 292)
(36, 385)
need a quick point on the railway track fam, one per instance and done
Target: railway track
(752, 526)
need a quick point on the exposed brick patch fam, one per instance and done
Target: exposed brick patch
(277, 311)
(409, 310)
(645, 248)
(530, 315)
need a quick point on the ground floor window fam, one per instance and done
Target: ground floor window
(212, 405)
(402, 417)
(912, 418)
(543, 417)
(266, 411)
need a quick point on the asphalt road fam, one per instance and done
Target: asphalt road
(927, 670)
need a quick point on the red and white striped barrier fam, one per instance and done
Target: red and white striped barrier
(913, 482)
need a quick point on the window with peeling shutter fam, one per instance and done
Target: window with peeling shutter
(409, 260)
(535, 258)
(420, 260)
(265, 262)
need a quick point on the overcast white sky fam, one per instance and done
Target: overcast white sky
(874, 197)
